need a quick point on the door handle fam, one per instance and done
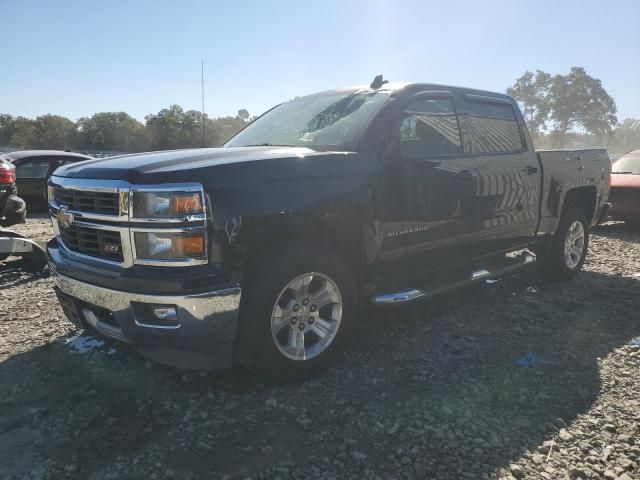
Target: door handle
(529, 170)
(465, 175)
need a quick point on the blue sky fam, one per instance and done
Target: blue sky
(75, 58)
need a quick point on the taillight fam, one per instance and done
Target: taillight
(7, 173)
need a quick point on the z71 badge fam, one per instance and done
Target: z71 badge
(111, 248)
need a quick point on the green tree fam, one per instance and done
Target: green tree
(7, 126)
(170, 128)
(626, 135)
(532, 92)
(53, 131)
(243, 115)
(23, 135)
(578, 100)
(116, 131)
(166, 130)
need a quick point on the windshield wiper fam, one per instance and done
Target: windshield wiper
(623, 173)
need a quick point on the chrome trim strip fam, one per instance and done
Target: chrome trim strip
(200, 217)
(90, 216)
(480, 274)
(159, 327)
(397, 297)
(87, 184)
(167, 187)
(185, 229)
(217, 293)
(99, 226)
(185, 262)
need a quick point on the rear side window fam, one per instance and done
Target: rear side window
(490, 127)
(36, 168)
(429, 128)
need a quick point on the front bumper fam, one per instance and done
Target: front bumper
(202, 338)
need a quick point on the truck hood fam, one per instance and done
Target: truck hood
(625, 180)
(157, 166)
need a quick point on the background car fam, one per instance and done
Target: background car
(34, 167)
(625, 188)
(12, 207)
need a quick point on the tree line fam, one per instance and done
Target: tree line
(170, 128)
(572, 109)
(562, 110)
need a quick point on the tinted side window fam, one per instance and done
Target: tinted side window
(37, 168)
(429, 128)
(490, 128)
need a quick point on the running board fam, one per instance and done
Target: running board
(413, 294)
(398, 297)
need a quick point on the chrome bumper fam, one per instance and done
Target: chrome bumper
(206, 321)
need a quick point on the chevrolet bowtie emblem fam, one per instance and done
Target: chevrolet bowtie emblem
(64, 217)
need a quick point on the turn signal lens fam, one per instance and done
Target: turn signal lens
(188, 246)
(185, 204)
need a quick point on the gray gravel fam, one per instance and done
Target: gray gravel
(428, 392)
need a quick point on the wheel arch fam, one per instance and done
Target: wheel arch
(330, 231)
(584, 198)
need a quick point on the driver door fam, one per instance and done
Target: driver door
(435, 224)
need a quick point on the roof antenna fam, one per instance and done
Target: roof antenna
(378, 82)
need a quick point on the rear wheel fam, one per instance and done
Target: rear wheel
(568, 249)
(298, 311)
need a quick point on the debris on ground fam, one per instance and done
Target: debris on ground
(435, 396)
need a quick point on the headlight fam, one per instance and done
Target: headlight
(50, 193)
(167, 204)
(170, 246)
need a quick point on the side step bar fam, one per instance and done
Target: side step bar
(413, 294)
(398, 297)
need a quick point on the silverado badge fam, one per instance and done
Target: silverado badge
(64, 217)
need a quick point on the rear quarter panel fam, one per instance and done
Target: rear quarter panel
(565, 170)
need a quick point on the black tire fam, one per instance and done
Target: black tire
(552, 262)
(255, 345)
(34, 263)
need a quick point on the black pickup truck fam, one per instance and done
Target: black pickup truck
(265, 250)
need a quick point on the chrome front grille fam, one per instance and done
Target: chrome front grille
(107, 203)
(94, 218)
(92, 241)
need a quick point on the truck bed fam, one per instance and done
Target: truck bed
(564, 170)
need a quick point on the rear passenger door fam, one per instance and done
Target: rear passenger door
(31, 176)
(508, 174)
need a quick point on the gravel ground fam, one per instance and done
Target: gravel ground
(434, 391)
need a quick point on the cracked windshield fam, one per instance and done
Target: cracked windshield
(364, 240)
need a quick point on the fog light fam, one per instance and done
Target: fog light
(155, 316)
(165, 314)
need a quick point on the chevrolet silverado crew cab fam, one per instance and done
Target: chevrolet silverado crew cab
(264, 250)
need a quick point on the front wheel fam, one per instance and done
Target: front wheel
(568, 249)
(299, 310)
